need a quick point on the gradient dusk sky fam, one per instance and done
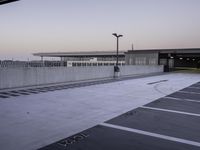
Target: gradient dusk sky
(30, 26)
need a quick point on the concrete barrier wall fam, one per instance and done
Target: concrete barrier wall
(139, 69)
(20, 77)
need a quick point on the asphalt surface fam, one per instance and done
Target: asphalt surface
(168, 123)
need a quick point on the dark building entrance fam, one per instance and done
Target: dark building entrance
(170, 58)
(180, 60)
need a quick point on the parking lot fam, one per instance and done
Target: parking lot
(171, 122)
(153, 112)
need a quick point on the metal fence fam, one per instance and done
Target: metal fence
(5, 64)
(10, 63)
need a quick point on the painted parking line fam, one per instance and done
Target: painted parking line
(177, 105)
(174, 118)
(152, 134)
(188, 92)
(196, 85)
(102, 137)
(172, 111)
(191, 90)
(159, 121)
(193, 87)
(185, 95)
(182, 99)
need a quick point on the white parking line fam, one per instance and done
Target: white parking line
(172, 111)
(193, 87)
(188, 92)
(182, 99)
(197, 84)
(169, 138)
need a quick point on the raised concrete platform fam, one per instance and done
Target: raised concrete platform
(34, 121)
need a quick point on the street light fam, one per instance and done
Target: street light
(117, 36)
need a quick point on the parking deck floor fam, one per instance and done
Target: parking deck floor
(158, 112)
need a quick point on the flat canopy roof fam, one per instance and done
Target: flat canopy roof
(177, 51)
(6, 1)
(80, 54)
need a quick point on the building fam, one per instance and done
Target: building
(171, 58)
(98, 58)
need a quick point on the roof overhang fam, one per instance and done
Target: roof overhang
(167, 51)
(80, 54)
(7, 1)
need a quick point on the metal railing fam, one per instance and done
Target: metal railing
(6, 64)
(15, 64)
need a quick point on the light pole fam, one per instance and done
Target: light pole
(117, 36)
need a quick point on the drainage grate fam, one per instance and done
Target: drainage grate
(20, 93)
(3, 96)
(62, 87)
(4, 93)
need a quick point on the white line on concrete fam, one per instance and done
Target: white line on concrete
(169, 138)
(172, 111)
(187, 92)
(180, 99)
(193, 87)
(197, 83)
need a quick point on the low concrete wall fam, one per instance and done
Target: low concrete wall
(20, 77)
(139, 69)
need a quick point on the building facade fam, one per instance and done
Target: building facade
(171, 58)
(99, 58)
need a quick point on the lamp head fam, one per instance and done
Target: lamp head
(115, 34)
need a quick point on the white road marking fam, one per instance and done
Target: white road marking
(180, 99)
(188, 92)
(169, 138)
(172, 111)
(193, 87)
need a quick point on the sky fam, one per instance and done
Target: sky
(31, 26)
